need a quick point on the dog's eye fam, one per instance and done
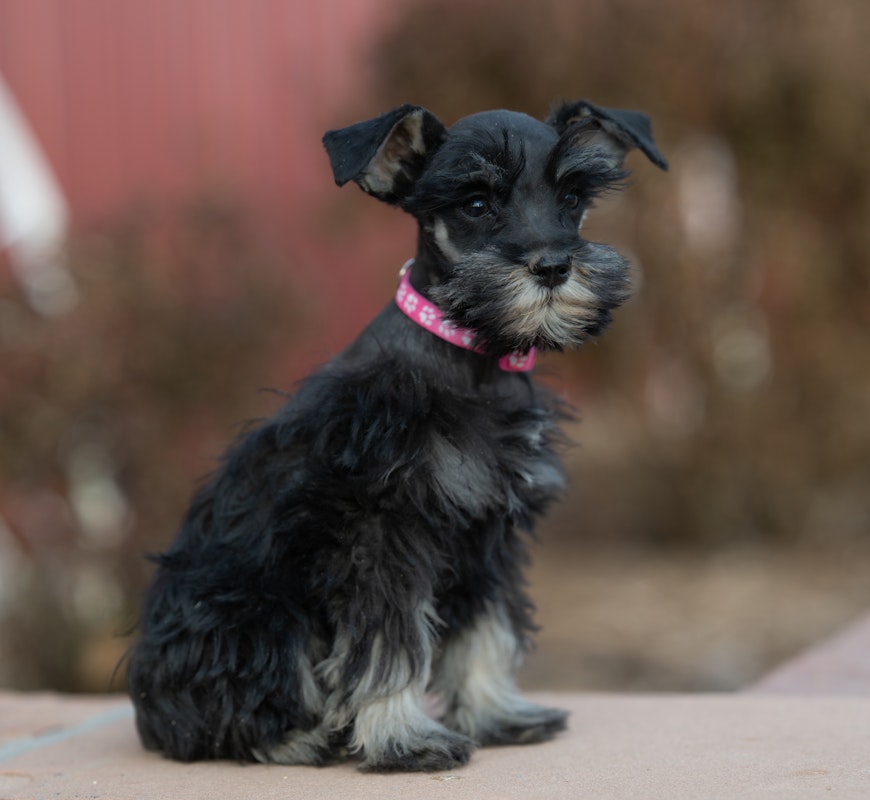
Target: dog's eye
(476, 207)
(571, 200)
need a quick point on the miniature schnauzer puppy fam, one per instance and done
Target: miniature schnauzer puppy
(365, 546)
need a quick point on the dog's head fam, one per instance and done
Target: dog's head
(500, 199)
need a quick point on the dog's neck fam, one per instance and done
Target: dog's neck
(426, 314)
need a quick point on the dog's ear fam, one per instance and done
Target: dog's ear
(387, 154)
(623, 130)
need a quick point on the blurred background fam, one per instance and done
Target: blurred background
(172, 244)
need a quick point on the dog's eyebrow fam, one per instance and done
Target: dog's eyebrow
(509, 160)
(490, 158)
(489, 162)
(588, 164)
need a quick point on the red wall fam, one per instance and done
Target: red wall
(152, 97)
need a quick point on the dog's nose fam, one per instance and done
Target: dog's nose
(550, 271)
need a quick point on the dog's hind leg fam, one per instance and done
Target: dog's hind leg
(316, 746)
(394, 733)
(384, 706)
(474, 679)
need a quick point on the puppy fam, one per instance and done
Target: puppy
(366, 545)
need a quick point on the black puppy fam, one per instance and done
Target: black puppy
(366, 545)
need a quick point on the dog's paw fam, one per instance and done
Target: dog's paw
(439, 750)
(525, 725)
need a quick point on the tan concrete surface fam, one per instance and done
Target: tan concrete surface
(702, 747)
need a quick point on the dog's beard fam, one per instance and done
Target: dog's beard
(511, 310)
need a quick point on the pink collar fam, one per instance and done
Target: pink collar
(429, 316)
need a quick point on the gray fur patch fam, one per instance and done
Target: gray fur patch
(464, 477)
(474, 677)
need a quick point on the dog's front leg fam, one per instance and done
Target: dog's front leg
(378, 678)
(474, 679)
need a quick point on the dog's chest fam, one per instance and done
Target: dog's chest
(496, 462)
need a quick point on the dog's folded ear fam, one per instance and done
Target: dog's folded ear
(624, 130)
(387, 154)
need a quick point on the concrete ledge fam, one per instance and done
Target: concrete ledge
(722, 746)
(801, 732)
(838, 666)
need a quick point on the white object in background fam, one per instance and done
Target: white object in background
(33, 214)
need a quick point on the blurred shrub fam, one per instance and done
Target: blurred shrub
(729, 400)
(108, 416)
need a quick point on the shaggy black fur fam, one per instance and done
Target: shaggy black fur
(366, 544)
